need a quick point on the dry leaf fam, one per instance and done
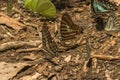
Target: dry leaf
(10, 22)
(9, 70)
(30, 77)
(117, 2)
(40, 68)
(68, 58)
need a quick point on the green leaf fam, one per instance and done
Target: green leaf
(33, 6)
(27, 3)
(43, 7)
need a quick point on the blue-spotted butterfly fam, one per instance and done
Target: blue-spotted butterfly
(102, 6)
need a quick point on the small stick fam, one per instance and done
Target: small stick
(106, 57)
(29, 50)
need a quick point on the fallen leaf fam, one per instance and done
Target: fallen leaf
(40, 68)
(117, 2)
(68, 58)
(9, 70)
(10, 22)
(30, 77)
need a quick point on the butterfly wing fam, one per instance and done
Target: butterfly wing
(101, 6)
(48, 43)
(112, 24)
(68, 29)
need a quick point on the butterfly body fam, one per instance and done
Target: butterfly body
(101, 6)
(112, 24)
(68, 29)
(48, 43)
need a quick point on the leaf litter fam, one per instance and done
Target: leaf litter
(69, 64)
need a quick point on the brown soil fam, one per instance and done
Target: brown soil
(67, 65)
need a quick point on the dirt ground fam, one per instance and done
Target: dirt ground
(69, 64)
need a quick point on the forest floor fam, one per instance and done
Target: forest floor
(22, 31)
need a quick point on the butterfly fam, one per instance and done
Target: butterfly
(101, 6)
(112, 24)
(68, 29)
(48, 42)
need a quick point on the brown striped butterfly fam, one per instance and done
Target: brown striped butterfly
(112, 24)
(49, 45)
(68, 29)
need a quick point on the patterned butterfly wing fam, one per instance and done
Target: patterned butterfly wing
(48, 43)
(112, 24)
(101, 6)
(68, 29)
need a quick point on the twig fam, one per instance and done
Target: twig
(106, 57)
(29, 50)
(18, 44)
